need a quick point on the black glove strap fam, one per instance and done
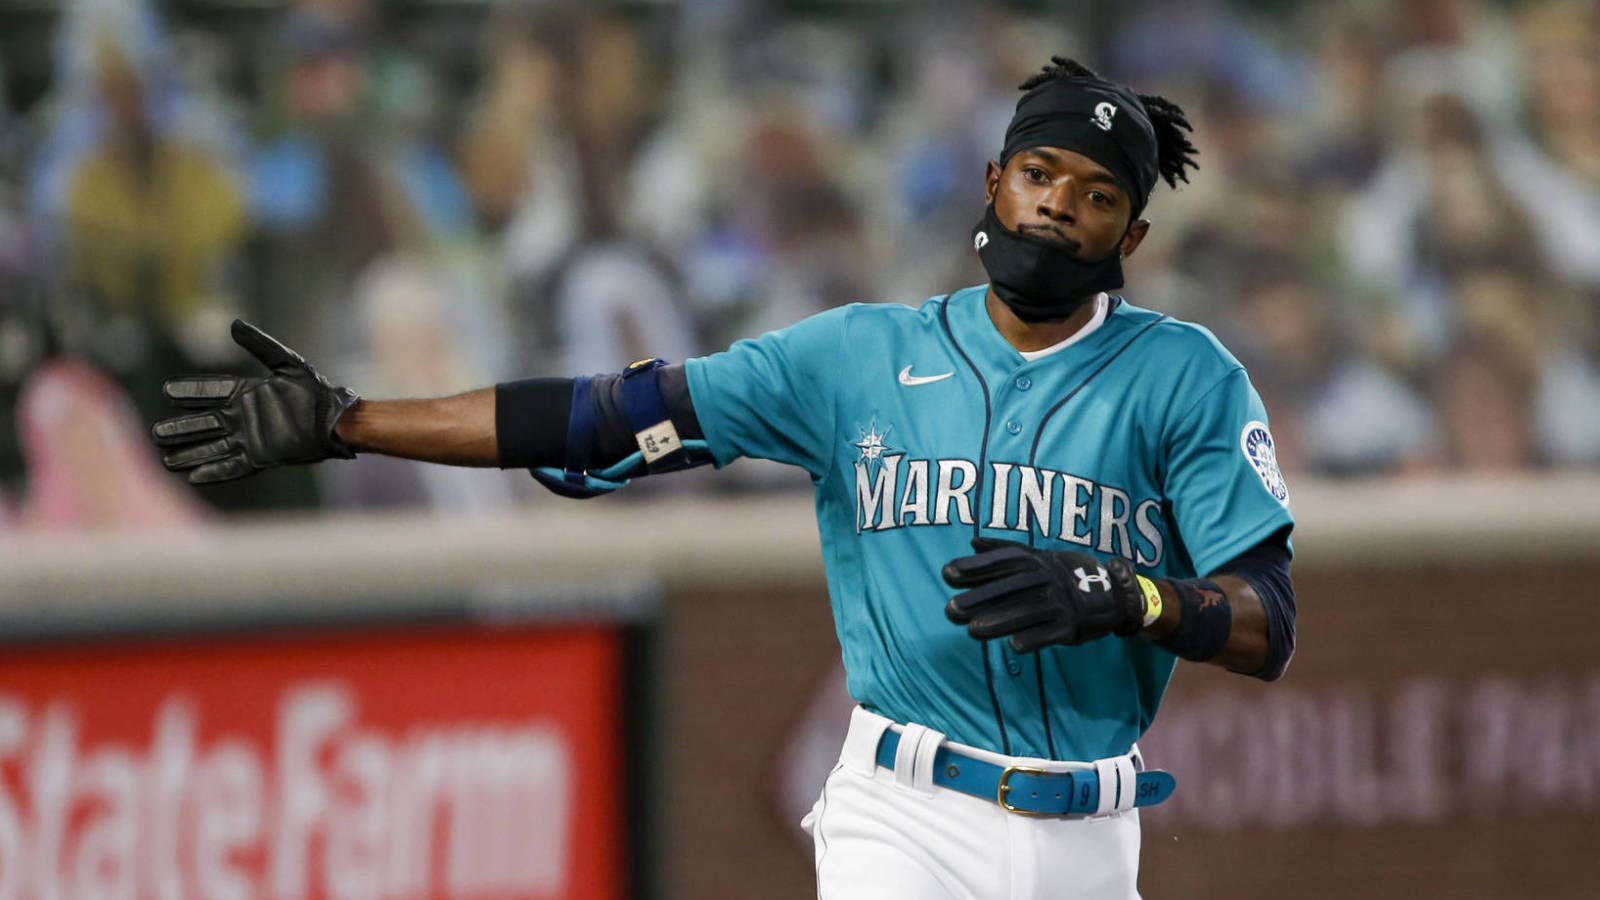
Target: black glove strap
(334, 405)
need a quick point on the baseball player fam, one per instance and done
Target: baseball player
(1033, 498)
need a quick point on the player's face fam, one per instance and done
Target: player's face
(1063, 196)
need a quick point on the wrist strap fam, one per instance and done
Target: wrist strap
(580, 431)
(1205, 620)
(659, 445)
(1152, 601)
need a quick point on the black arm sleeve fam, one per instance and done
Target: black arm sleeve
(1266, 568)
(531, 416)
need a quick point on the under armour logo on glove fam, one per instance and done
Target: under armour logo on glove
(1040, 597)
(1087, 581)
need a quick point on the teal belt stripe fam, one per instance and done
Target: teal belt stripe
(1075, 793)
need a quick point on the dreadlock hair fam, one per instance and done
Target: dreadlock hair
(1175, 153)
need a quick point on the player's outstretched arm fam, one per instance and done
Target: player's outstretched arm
(230, 427)
(580, 437)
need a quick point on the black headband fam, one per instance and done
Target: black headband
(1103, 121)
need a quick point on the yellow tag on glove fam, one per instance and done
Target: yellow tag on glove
(1152, 600)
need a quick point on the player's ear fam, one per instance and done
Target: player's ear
(1134, 237)
(991, 182)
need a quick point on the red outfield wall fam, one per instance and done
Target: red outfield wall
(445, 761)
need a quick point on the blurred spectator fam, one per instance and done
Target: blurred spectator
(150, 223)
(603, 188)
(511, 114)
(89, 458)
(938, 134)
(415, 152)
(1209, 41)
(145, 223)
(613, 304)
(21, 331)
(520, 171)
(22, 345)
(1465, 47)
(326, 204)
(412, 350)
(133, 200)
(1334, 409)
(1437, 205)
(1517, 388)
(789, 221)
(73, 110)
(1467, 211)
(1555, 162)
(1483, 392)
(1561, 66)
(814, 253)
(1342, 141)
(1566, 412)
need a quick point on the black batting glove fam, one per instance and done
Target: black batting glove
(1042, 597)
(243, 425)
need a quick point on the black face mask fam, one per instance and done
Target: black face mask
(1038, 279)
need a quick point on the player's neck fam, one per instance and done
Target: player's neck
(1030, 336)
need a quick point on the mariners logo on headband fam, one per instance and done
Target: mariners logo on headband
(1103, 113)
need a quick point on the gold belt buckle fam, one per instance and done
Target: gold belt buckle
(1005, 788)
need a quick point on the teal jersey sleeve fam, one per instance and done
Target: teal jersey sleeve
(1222, 474)
(773, 397)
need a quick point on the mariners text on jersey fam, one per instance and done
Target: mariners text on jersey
(1026, 499)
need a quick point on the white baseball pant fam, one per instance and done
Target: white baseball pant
(882, 836)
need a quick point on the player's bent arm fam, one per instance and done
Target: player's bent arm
(1241, 618)
(1243, 642)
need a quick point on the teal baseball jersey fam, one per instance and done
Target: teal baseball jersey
(923, 428)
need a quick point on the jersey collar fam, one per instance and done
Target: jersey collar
(1102, 305)
(978, 336)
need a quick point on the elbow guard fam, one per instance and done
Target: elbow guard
(1277, 598)
(1268, 574)
(635, 404)
(1265, 567)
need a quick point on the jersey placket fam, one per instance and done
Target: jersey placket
(1018, 406)
(1023, 395)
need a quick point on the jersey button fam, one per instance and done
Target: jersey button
(1024, 382)
(1014, 426)
(1014, 667)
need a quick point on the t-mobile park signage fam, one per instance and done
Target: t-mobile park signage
(448, 762)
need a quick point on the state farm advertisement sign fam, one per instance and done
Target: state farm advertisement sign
(425, 762)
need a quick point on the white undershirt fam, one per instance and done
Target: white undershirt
(1102, 304)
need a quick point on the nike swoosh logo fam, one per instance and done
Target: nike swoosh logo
(910, 380)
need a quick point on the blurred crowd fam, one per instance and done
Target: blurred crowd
(1396, 224)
